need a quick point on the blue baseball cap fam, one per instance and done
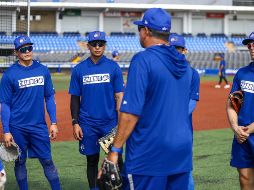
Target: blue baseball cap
(96, 35)
(22, 40)
(157, 19)
(115, 53)
(176, 40)
(248, 40)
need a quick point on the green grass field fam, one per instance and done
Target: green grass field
(211, 165)
(211, 159)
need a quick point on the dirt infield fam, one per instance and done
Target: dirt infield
(209, 114)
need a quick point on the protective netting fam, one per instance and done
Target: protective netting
(13, 22)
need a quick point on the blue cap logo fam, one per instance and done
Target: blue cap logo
(96, 35)
(177, 40)
(157, 19)
(21, 41)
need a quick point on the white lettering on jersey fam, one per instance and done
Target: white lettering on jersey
(96, 78)
(32, 81)
(247, 86)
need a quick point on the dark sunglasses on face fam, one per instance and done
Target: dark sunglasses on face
(140, 27)
(250, 45)
(25, 49)
(97, 43)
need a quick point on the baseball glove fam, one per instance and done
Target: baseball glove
(107, 141)
(110, 178)
(236, 99)
(9, 154)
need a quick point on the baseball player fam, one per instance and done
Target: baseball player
(242, 123)
(154, 115)
(96, 90)
(116, 56)
(25, 87)
(222, 73)
(2, 176)
(179, 43)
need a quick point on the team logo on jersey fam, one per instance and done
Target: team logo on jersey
(82, 147)
(247, 86)
(96, 78)
(32, 81)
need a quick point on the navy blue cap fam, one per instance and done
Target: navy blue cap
(96, 35)
(22, 40)
(115, 53)
(176, 40)
(248, 40)
(157, 19)
(222, 55)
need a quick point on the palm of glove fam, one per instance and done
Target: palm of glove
(107, 141)
(236, 99)
(9, 154)
(110, 178)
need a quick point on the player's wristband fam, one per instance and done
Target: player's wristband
(53, 123)
(118, 150)
(74, 122)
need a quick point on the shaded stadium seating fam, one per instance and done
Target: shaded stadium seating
(52, 47)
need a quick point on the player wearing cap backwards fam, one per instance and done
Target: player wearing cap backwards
(179, 43)
(2, 176)
(154, 118)
(96, 90)
(242, 123)
(25, 87)
(222, 72)
(116, 55)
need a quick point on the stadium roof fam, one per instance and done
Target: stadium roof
(128, 6)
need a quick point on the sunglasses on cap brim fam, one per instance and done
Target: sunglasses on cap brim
(25, 49)
(99, 43)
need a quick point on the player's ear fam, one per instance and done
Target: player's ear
(88, 46)
(148, 32)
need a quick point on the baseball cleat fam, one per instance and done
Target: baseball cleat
(227, 86)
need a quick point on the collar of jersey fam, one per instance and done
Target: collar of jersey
(26, 67)
(101, 60)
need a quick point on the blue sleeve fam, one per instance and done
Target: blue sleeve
(1, 165)
(74, 88)
(6, 91)
(49, 89)
(236, 83)
(192, 105)
(5, 117)
(135, 91)
(195, 85)
(51, 108)
(118, 80)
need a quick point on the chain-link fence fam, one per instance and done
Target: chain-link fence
(13, 22)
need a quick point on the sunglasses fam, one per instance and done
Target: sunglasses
(140, 27)
(250, 45)
(97, 43)
(25, 49)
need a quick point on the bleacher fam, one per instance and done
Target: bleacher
(51, 47)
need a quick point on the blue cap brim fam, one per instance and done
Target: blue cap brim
(24, 45)
(248, 40)
(139, 23)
